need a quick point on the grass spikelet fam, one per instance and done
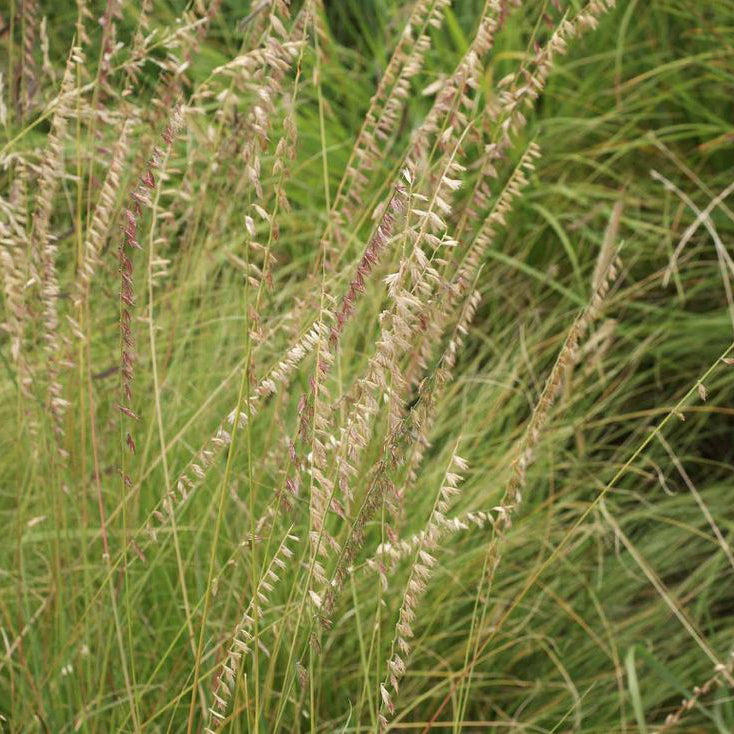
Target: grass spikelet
(99, 229)
(387, 104)
(16, 269)
(420, 573)
(28, 76)
(140, 199)
(191, 478)
(721, 677)
(242, 638)
(45, 249)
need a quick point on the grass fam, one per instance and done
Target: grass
(586, 582)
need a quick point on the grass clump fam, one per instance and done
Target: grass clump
(366, 367)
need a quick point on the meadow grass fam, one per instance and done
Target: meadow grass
(366, 366)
